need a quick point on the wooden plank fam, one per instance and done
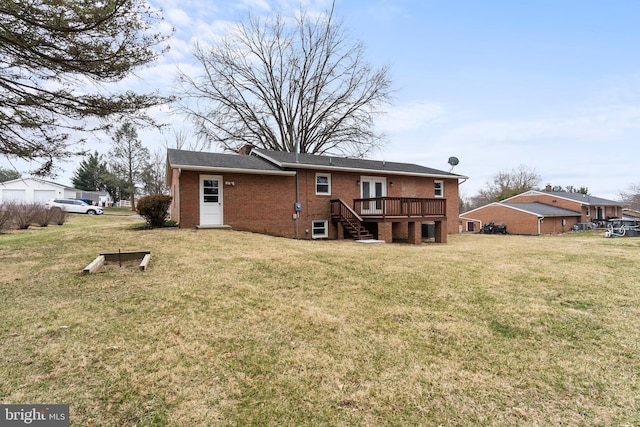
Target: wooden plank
(124, 256)
(145, 262)
(95, 265)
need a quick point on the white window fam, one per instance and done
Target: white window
(588, 210)
(319, 229)
(323, 183)
(438, 189)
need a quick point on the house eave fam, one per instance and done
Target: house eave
(232, 170)
(585, 202)
(296, 165)
(369, 171)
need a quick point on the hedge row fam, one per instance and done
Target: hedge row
(22, 215)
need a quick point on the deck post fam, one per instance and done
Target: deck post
(385, 232)
(440, 230)
(340, 227)
(415, 233)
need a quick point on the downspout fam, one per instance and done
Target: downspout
(540, 225)
(178, 196)
(297, 207)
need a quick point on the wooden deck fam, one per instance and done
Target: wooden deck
(388, 210)
(398, 208)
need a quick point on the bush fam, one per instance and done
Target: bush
(6, 215)
(58, 216)
(154, 209)
(42, 216)
(25, 214)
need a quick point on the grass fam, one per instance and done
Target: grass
(231, 328)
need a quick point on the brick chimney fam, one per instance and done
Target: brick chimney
(547, 188)
(246, 149)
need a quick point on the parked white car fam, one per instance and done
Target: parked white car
(73, 205)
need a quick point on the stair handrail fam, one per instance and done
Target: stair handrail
(352, 213)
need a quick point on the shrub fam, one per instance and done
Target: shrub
(154, 209)
(25, 214)
(42, 216)
(58, 216)
(6, 215)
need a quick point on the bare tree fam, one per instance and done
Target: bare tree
(153, 175)
(506, 184)
(276, 83)
(128, 157)
(184, 140)
(631, 197)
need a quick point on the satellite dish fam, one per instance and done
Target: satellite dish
(453, 161)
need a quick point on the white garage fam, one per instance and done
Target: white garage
(11, 195)
(33, 190)
(41, 196)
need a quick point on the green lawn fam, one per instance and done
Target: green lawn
(231, 328)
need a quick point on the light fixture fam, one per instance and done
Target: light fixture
(358, 182)
(391, 183)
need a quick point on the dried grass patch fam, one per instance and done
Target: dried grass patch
(235, 328)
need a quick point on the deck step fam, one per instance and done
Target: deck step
(353, 231)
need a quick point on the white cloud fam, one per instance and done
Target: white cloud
(411, 116)
(177, 17)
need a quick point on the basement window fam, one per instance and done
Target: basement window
(319, 229)
(323, 184)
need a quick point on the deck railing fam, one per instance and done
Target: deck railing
(343, 212)
(400, 207)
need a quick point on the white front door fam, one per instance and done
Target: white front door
(372, 187)
(210, 200)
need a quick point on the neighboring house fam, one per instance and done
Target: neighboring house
(36, 190)
(543, 212)
(630, 214)
(309, 196)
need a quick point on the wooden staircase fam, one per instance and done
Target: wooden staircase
(350, 220)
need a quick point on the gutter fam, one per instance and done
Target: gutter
(371, 171)
(233, 170)
(298, 165)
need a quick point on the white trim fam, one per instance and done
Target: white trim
(202, 178)
(586, 199)
(361, 170)
(231, 170)
(371, 171)
(437, 181)
(325, 226)
(504, 206)
(328, 175)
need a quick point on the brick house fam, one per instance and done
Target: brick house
(309, 196)
(543, 212)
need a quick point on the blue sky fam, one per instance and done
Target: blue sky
(553, 85)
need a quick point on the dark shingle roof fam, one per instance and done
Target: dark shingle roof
(541, 209)
(579, 197)
(286, 159)
(218, 161)
(279, 162)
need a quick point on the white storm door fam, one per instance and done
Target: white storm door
(210, 200)
(370, 188)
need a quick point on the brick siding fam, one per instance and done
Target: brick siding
(265, 203)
